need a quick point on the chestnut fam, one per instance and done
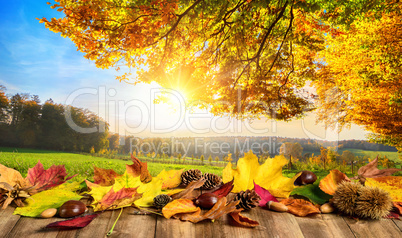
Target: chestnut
(306, 177)
(72, 208)
(206, 200)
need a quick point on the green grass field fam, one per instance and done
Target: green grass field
(23, 159)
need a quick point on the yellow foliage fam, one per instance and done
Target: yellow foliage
(268, 175)
(391, 184)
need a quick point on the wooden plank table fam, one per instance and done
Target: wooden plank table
(272, 224)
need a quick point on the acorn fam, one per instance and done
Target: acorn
(48, 213)
(306, 177)
(206, 200)
(72, 208)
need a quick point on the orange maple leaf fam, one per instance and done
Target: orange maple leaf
(139, 168)
(104, 177)
(122, 198)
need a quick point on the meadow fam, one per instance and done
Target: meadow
(23, 159)
(82, 164)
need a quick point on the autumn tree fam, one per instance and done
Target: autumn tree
(114, 141)
(3, 104)
(361, 79)
(347, 156)
(238, 57)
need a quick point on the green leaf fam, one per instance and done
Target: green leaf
(312, 192)
(52, 198)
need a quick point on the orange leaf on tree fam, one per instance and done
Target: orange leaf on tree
(179, 206)
(139, 168)
(43, 179)
(104, 177)
(331, 181)
(300, 207)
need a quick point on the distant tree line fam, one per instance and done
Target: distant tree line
(25, 122)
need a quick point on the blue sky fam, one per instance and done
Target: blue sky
(37, 61)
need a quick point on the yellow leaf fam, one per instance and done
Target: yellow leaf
(179, 206)
(268, 175)
(149, 191)
(391, 184)
(170, 179)
(122, 192)
(12, 177)
(52, 198)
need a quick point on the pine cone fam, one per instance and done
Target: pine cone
(161, 200)
(211, 181)
(248, 199)
(190, 176)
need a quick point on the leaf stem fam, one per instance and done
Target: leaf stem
(114, 224)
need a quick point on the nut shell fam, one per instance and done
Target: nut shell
(327, 208)
(306, 177)
(72, 208)
(276, 206)
(48, 213)
(206, 200)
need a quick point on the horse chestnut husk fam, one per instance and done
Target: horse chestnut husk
(306, 177)
(72, 208)
(206, 200)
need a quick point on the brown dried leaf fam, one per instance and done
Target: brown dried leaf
(219, 209)
(188, 191)
(370, 170)
(300, 207)
(243, 220)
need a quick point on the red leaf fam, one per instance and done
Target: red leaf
(75, 223)
(104, 177)
(43, 179)
(243, 220)
(393, 215)
(224, 190)
(264, 194)
(139, 168)
(123, 197)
